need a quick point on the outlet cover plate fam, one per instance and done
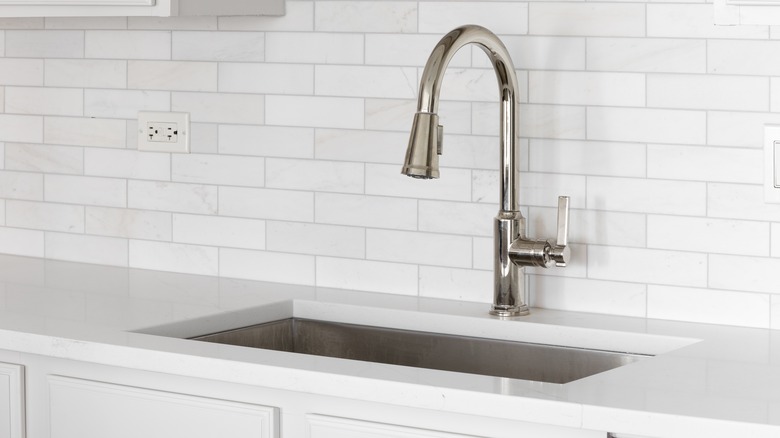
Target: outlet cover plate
(772, 164)
(151, 120)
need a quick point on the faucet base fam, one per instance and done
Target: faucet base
(510, 311)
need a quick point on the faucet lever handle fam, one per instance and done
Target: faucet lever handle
(560, 252)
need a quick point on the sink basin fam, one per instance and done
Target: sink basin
(499, 358)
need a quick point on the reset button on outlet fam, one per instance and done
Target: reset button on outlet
(164, 132)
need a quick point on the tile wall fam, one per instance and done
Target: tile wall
(647, 115)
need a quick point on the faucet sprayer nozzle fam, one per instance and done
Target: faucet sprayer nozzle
(422, 155)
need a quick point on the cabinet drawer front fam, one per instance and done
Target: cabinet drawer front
(11, 401)
(321, 426)
(88, 409)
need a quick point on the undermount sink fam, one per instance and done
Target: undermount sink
(499, 358)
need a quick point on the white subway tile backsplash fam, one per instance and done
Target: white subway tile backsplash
(395, 278)
(361, 16)
(174, 197)
(44, 158)
(172, 75)
(221, 46)
(86, 249)
(174, 257)
(218, 170)
(131, 164)
(91, 73)
(649, 117)
(219, 231)
(45, 216)
(127, 44)
(44, 43)
(266, 141)
(587, 19)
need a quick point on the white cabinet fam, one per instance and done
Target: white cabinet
(11, 401)
(88, 409)
(131, 8)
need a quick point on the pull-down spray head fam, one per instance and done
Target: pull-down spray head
(422, 155)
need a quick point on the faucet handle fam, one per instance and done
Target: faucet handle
(560, 252)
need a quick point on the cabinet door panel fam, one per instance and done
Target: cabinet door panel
(11, 401)
(88, 409)
(321, 426)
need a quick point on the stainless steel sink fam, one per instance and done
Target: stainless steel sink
(517, 360)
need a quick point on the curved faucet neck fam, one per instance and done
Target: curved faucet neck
(430, 86)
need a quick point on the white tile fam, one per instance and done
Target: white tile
(456, 284)
(86, 249)
(456, 218)
(775, 316)
(382, 179)
(650, 266)
(397, 115)
(298, 16)
(44, 158)
(708, 235)
(124, 104)
(172, 75)
(86, 73)
(173, 23)
(21, 185)
(114, 44)
(26, 129)
(28, 243)
(592, 296)
(474, 152)
(500, 17)
(219, 46)
(540, 121)
(45, 216)
(119, 163)
(204, 138)
(705, 163)
(366, 211)
(132, 224)
(266, 141)
(44, 101)
(360, 145)
(482, 253)
(174, 257)
(175, 197)
(314, 48)
(421, 248)
(316, 239)
(220, 108)
(708, 92)
(647, 196)
(590, 19)
(22, 23)
(317, 112)
(647, 55)
(86, 23)
(266, 204)
(44, 44)
(592, 227)
(708, 306)
(737, 129)
(219, 231)
(266, 78)
(533, 52)
(85, 132)
(366, 81)
(775, 95)
(742, 57)
(740, 201)
(359, 16)
(739, 273)
(267, 266)
(539, 189)
(393, 278)
(407, 50)
(107, 192)
(325, 176)
(218, 170)
(21, 71)
(473, 84)
(694, 21)
(647, 125)
(588, 158)
(585, 88)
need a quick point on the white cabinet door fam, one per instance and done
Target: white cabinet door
(135, 8)
(11, 401)
(87, 409)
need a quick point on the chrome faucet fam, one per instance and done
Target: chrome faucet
(513, 250)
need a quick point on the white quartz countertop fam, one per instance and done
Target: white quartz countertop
(704, 380)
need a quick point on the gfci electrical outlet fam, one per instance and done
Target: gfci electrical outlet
(164, 132)
(772, 163)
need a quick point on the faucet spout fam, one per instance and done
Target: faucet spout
(512, 249)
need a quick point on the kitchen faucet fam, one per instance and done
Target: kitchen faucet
(513, 250)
